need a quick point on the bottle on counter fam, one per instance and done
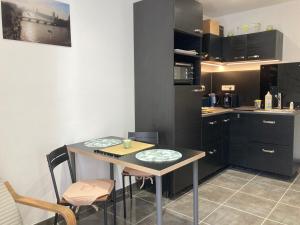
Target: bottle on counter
(292, 106)
(268, 101)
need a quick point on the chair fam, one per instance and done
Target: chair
(9, 214)
(60, 156)
(148, 137)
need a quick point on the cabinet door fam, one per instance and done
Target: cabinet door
(189, 16)
(211, 130)
(235, 48)
(225, 138)
(188, 117)
(289, 83)
(212, 45)
(264, 45)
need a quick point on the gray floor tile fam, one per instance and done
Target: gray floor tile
(241, 173)
(226, 181)
(184, 206)
(296, 185)
(268, 222)
(264, 190)
(251, 204)
(214, 193)
(286, 214)
(169, 218)
(136, 209)
(265, 178)
(228, 216)
(98, 219)
(291, 198)
(150, 197)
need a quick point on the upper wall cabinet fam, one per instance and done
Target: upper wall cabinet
(189, 17)
(265, 45)
(235, 48)
(212, 47)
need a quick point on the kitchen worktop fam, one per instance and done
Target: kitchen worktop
(213, 111)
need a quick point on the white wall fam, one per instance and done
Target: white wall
(285, 17)
(51, 96)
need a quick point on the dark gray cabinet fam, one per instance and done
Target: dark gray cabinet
(263, 142)
(173, 111)
(284, 78)
(189, 17)
(212, 47)
(235, 48)
(265, 45)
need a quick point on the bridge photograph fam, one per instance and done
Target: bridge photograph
(39, 21)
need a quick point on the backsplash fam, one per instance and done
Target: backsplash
(247, 84)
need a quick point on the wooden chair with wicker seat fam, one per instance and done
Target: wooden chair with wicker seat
(9, 214)
(60, 156)
(147, 137)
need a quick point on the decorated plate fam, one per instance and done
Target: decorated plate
(102, 142)
(158, 155)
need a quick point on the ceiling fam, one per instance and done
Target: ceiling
(216, 8)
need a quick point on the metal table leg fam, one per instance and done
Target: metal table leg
(111, 169)
(73, 163)
(195, 191)
(158, 200)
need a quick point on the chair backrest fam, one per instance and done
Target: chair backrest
(55, 158)
(9, 213)
(148, 137)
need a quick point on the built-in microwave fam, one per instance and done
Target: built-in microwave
(183, 73)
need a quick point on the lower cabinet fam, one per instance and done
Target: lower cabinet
(262, 142)
(215, 143)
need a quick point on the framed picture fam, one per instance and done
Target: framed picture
(40, 21)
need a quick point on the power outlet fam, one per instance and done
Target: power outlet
(228, 87)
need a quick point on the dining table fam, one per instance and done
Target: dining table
(145, 157)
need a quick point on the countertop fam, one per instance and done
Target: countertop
(213, 111)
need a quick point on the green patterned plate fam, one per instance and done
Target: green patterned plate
(158, 155)
(102, 142)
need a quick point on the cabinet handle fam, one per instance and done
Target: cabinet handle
(198, 31)
(254, 57)
(268, 151)
(226, 120)
(210, 152)
(197, 90)
(212, 122)
(239, 57)
(269, 122)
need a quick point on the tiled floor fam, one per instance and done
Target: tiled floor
(233, 197)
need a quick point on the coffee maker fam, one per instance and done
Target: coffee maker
(230, 100)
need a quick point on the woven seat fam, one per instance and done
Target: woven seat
(136, 173)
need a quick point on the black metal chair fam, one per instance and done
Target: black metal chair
(60, 156)
(147, 137)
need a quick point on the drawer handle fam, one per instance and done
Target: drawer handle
(269, 122)
(212, 123)
(212, 152)
(268, 151)
(198, 31)
(254, 57)
(226, 120)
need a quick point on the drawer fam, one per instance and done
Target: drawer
(272, 129)
(270, 158)
(211, 129)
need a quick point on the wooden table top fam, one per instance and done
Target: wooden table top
(129, 160)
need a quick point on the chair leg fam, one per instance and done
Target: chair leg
(55, 219)
(105, 213)
(115, 205)
(124, 195)
(130, 187)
